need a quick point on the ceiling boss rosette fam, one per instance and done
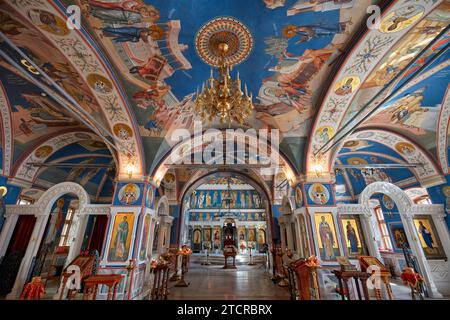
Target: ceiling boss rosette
(222, 43)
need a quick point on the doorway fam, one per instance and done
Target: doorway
(9, 266)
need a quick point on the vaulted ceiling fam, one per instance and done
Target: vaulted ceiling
(129, 75)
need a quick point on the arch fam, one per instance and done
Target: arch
(41, 209)
(6, 127)
(373, 47)
(82, 55)
(45, 202)
(442, 131)
(401, 199)
(405, 207)
(194, 144)
(26, 172)
(428, 175)
(287, 205)
(197, 181)
(162, 208)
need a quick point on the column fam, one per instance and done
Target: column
(417, 250)
(76, 236)
(130, 202)
(300, 247)
(443, 232)
(150, 249)
(165, 223)
(282, 232)
(371, 242)
(30, 254)
(76, 242)
(290, 238)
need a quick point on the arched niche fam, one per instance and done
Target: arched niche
(163, 226)
(41, 209)
(254, 180)
(287, 233)
(406, 209)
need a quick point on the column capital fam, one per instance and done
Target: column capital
(166, 219)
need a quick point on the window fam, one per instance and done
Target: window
(386, 240)
(423, 200)
(63, 240)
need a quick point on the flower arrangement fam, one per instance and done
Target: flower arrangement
(153, 264)
(184, 250)
(411, 278)
(312, 262)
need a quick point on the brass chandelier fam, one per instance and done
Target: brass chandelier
(222, 96)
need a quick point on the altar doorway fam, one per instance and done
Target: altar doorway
(230, 231)
(223, 206)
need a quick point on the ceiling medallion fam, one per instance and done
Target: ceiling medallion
(223, 30)
(222, 43)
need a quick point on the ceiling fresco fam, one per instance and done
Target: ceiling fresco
(416, 112)
(98, 181)
(134, 67)
(351, 182)
(404, 30)
(152, 44)
(72, 71)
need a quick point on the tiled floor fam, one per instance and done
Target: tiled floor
(214, 283)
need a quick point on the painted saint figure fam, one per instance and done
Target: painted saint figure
(310, 32)
(215, 199)
(327, 238)
(242, 198)
(120, 241)
(352, 238)
(256, 200)
(208, 200)
(124, 12)
(201, 199)
(426, 235)
(194, 199)
(130, 34)
(129, 196)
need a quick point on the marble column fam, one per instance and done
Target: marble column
(165, 224)
(417, 250)
(150, 249)
(79, 227)
(290, 238)
(443, 232)
(369, 233)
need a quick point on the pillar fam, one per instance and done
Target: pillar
(150, 248)
(133, 200)
(369, 233)
(165, 224)
(417, 250)
(290, 238)
(77, 241)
